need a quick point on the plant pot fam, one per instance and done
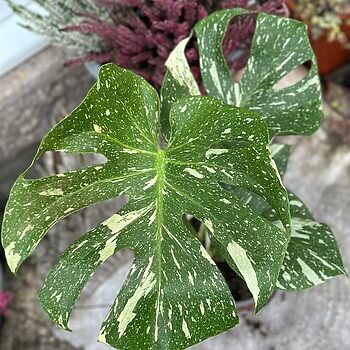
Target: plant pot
(330, 55)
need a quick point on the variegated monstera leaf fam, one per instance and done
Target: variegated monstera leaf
(174, 295)
(279, 46)
(312, 255)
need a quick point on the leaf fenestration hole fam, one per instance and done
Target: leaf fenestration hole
(293, 77)
(58, 162)
(236, 43)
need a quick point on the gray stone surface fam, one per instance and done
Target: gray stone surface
(318, 172)
(33, 97)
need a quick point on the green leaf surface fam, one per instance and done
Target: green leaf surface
(279, 160)
(313, 255)
(279, 46)
(280, 155)
(174, 295)
(178, 82)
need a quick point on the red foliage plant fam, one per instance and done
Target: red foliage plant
(141, 34)
(5, 299)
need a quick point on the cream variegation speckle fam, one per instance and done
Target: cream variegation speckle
(215, 152)
(241, 259)
(52, 192)
(185, 329)
(12, 257)
(194, 173)
(147, 283)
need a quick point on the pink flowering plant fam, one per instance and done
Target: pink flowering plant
(139, 35)
(5, 300)
(178, 153)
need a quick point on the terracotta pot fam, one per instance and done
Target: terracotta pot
(330, 55)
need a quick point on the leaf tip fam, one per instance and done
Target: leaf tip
(102, 338)
(62, 323)
(13, 259)
(257, 305)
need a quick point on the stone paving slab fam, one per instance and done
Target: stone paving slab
(40, 93)
(33, 98)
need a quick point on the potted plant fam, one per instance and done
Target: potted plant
(138, 35)
(175, 154)
(329, 28)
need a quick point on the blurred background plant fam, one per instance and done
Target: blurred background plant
(329, 30)
(326, 17)
(5, 299)
(136, 34)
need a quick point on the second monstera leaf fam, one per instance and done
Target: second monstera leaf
(174, 295)
(279, 46)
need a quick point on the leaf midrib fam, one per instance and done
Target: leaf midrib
(160, 182)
